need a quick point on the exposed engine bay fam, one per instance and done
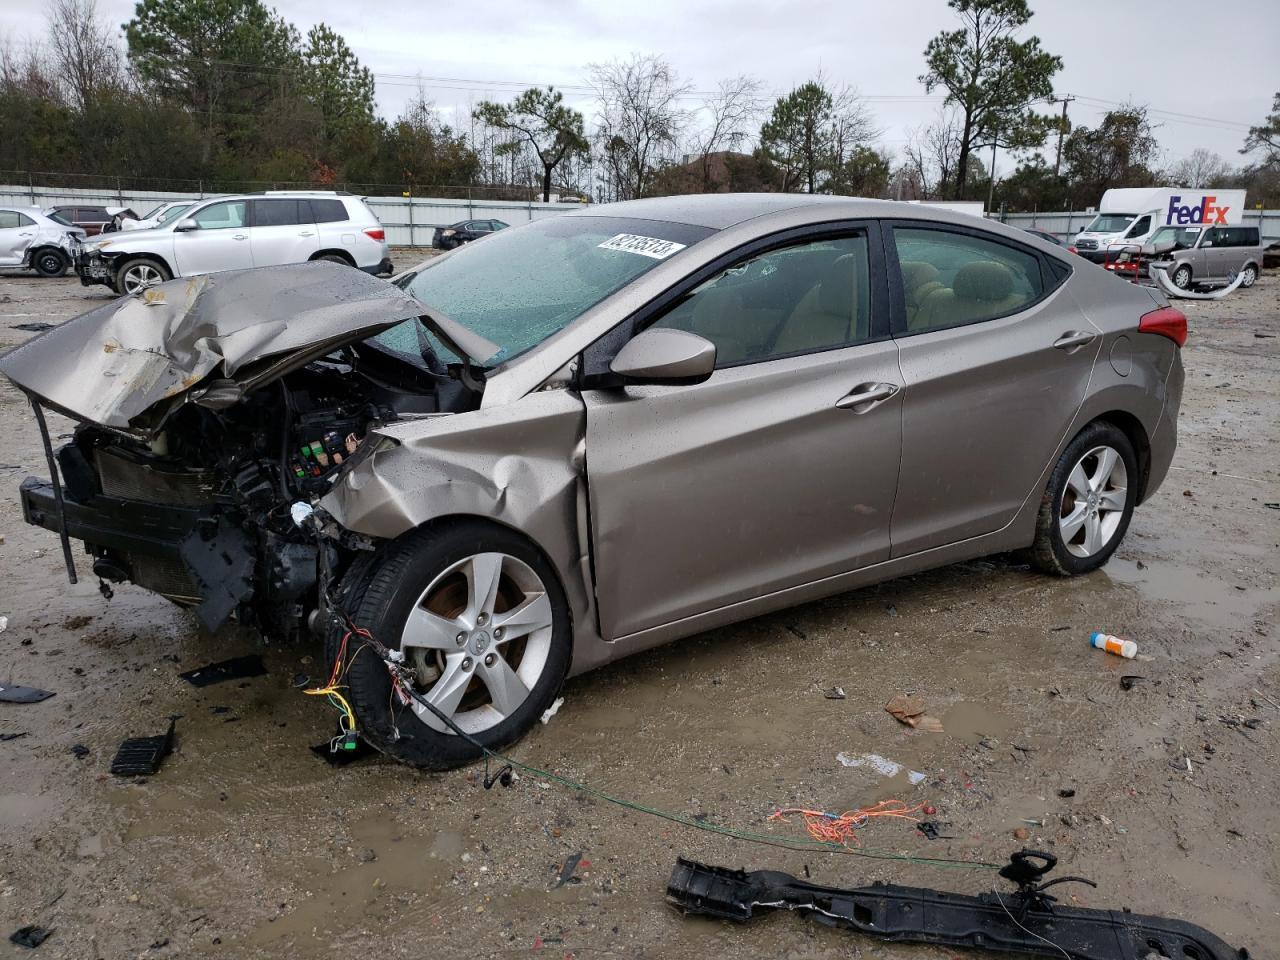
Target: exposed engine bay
(204, 512)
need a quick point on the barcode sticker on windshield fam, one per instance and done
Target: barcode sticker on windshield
(645, 246)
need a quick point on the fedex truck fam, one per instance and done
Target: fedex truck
(1129, 216)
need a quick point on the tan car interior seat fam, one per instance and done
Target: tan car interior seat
(980, 289)
(828, 315)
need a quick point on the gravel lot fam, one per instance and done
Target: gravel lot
(246, 845)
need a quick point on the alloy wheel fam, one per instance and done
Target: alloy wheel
(1250, 276)
(477, 641)
(1093, 501)
(1182, 277)
(139, 277)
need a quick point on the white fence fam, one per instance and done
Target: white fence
(411, 222)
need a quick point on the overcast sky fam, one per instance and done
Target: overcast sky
(1210, 70)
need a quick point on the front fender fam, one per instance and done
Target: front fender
(519, 464)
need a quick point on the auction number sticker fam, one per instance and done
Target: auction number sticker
(645, 246)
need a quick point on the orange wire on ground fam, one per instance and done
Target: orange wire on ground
(833, 828)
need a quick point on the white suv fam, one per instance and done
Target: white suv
(236, 233)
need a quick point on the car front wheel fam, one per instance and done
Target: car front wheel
(485, 631)
(136, 275)
(51, 263)
(1182, 277)
(1249, 276)
(1088, 502)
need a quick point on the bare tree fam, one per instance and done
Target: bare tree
(640, 120)
(85, 55)
(1203, 168)
(734, 108)
(932, 154)
(27, 70)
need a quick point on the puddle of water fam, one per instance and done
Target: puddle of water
(1201, 595)
(972, 722)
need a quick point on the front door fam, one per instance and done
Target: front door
(777, 471)
(283, 232)
(995, 371)
(17, 230)
(220, 242)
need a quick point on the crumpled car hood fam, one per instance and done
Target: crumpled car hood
(114, 363)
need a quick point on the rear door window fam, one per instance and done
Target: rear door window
(950, 278)
(9, 219)
(277, 213)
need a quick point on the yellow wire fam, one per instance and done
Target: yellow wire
(349, 714)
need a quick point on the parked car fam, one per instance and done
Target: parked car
(90, 218)
(1206, 256)
(159, 216)
(464, 231)
(1045, 236)
(601, 432)
(234, 233)
(32, 241)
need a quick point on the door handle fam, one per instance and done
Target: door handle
(24, 234)
(866, 396)
(305, 233)
(1073, 339)
(240, 236)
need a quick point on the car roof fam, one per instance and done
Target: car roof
(718, 211)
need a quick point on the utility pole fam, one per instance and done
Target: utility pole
(991, 187)
(1057, 162)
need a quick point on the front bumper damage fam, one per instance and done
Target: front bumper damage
(1026, 921)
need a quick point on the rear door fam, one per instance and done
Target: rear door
(220, 242)
(282, 230)
(995, 359)
(1213, 257)
(759, 478)
(17, 230)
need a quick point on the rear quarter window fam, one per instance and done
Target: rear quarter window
(328, 211)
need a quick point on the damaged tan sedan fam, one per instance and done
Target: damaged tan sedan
(598, 433)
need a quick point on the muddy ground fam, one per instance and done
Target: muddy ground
(247, 845)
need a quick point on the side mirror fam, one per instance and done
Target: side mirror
(186, 225)
(661, 356)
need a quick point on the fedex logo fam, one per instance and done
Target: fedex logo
(1206, 212)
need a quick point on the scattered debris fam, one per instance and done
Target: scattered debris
(1067, 793)
(1271, 506)
(1021, 833)
(569, 868)
(910, 710)
(237, 668)
(932, 829)
(340, 758)
(141, 756)
(1117, 645)
(30, 936)
(552, 710)
(881, 765)
(36, 327)
(23, 695)
(835, 693)
(6, 737)
(1129, 681)
(79, 751)
(4, 621)
(839, 827)
(1026, 921)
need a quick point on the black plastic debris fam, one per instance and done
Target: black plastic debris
(1130, 680)
(30, 936)
(36, 327)
(340, 758)
(79, 751)
(6, 737)
(141, 756)
(932, 829)
(567, 870)
(23, 694)
(237, 668)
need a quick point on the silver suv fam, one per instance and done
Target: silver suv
(1209, 256)
(30, 240)
(238, 232)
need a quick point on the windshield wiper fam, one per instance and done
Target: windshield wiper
(463, 341)
(1024, 921)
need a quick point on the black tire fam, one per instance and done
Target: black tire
(1050, 553)
(335, 258)
(1250, 276)
(49, 262)
(1182, 277)
(138, 264)
(378, 595)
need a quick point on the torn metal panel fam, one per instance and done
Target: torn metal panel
(518, 464)
(110, 365)
(1162, 277)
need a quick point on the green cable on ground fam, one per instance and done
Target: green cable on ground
(790, 843)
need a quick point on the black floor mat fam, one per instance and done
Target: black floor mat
(23, 695)
(237, 668)
(141, 756)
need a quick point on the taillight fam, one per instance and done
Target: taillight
(376, 233)
(1167, 322)
(1072, 250)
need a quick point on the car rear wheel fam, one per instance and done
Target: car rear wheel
(1249, 276)
(51, 263)
(136, 275)
(335, 258)
(1182, 277)
(482, 622)
(1088, 502)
